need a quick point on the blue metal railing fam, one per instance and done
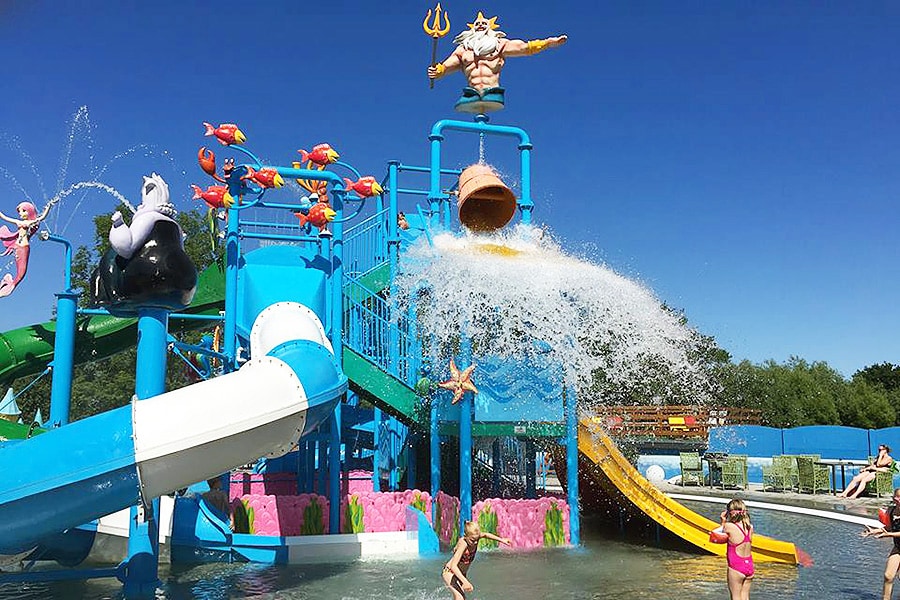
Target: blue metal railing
(365, 244)
(372, 329)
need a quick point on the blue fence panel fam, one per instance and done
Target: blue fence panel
(753, 440)
(829, 441)
(889, 436)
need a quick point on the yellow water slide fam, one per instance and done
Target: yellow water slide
(596, 445)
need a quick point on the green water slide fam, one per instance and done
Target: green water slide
(27, 350)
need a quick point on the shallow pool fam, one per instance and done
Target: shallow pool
(846, 566)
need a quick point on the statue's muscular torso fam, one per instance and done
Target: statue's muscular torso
(482, 72)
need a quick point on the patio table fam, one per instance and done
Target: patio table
(843, 463)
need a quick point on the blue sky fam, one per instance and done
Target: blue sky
(740, 158)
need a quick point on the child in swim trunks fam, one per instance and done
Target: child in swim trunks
(454, 574)
(892, 531)
(736, 525)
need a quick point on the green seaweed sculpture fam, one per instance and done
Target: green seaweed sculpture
(354, 516)
(312, 519)
(487, 521)
(554, 533)
(418, 502)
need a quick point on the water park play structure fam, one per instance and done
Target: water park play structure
(326, 302)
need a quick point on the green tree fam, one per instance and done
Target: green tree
(866, 405)
(105, 384)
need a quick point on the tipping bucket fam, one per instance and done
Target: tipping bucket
(485, 203)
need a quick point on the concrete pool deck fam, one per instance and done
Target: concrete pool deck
(860, 510)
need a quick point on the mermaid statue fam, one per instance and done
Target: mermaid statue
(18, 243)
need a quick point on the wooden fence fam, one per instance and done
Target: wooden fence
(671, 421)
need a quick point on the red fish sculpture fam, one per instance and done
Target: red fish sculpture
(226, 133)
(215, 196)
(319, 215)
(264, 178)
(365, 187)
(321, 154)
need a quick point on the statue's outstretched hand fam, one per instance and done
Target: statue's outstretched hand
(559, 40)
(432, 72)
(117, 219)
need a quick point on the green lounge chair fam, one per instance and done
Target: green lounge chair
(691, 468)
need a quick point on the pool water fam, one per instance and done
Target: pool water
(606, 566)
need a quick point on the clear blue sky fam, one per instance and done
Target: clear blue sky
(740, 158)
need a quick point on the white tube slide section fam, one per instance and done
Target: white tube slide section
(221, 423)
(283, 322)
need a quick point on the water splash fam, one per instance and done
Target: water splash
(519, 295)
(93, 184)
(15, 183)
(80, 124)
(15, 145)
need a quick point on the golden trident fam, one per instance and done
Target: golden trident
(436, 32)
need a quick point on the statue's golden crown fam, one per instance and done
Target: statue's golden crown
(492, 22)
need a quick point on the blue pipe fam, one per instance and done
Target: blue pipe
(64, 341)
(232, 257)
(482, 127)
(465, 444)
(376, 454)
(572, 466)
(142, 564)
(434, 191)
(435, 458)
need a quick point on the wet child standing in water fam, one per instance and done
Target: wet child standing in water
(736, 525)
(454, 574)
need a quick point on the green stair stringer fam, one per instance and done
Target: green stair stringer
(385, 390)
(377, 279)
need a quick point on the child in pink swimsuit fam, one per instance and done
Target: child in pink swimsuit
(736, 524)
(457, 568)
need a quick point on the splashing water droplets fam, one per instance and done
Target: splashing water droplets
(518, 295)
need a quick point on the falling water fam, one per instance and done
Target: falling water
(481, 149)
(520, 294)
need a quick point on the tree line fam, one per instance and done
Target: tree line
(790, 394)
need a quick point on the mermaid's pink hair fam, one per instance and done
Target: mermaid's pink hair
(29, 207)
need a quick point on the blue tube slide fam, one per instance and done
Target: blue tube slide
(102, 464)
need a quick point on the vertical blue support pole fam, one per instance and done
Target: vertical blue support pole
(334, 472)
(142, 570)
(63, 358)
(411, 459)
(393, 235)
(495, 458)
(572, 465)
(63, 341)
(310, 466)
(530, 470)
(337, 321)
(376, 456)
(465, 444)
(301, 467)
(393, 454)
(321, 465)
(232, 255)
(434, 193)
(435, 440)
(526, 204)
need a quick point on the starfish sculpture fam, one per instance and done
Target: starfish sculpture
(460, 382)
